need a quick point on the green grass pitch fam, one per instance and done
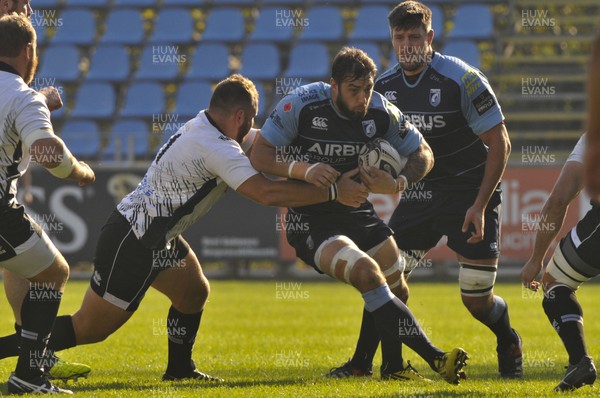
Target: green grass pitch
(276, 339)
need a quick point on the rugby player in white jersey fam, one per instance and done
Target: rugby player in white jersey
(15, 286)
(26, 133)
(575, 260)
(188, 175)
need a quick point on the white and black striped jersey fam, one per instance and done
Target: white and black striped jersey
(579, 151)
(186, 178)
(23, 111)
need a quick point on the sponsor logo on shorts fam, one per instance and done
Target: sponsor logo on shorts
(96, 278)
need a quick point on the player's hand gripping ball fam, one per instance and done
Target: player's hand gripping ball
(381, 154)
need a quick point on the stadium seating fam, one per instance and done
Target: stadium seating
(465, 50)
(260, 61)
(144, 99)
(323, 23)
(109, 63)
(224, 24)
(95, 100)
(80, 3)
(371, 24)
(124, 26)
(237, 2)
(210, 61)
(263, 110)
(472, 21)
(136, 3)
(60, 63)
(191, 98)
(437, 22)
(269, 26)
(46, 4)
(372, 49)
(40, 32)
(285, 2)
(78, 27)
(185, 3)
(167, 20)
(82, 137)
(129, 139)
(159, 62)
(309, 61)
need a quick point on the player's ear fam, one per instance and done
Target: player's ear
(240, 116)
(430, 36)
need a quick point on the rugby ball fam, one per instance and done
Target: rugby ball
(381, 154)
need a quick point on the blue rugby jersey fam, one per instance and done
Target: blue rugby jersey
(452, 104)
(305, 126)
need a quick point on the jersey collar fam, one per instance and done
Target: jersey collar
(423, 72)
(4, 67)
(211, 121)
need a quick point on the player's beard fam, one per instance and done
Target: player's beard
(415, 60)
(30, 69)
(345, 109)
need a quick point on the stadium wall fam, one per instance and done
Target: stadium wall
(238, 229)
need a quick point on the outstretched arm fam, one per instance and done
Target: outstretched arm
(566, 188)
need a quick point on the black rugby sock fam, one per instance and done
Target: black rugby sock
(37, 314)
(63, 334)
(9, 345)
(566, 317)
(368, 341)
(182, 330)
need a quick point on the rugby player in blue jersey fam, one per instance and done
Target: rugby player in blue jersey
(326, 125)
(456, 110)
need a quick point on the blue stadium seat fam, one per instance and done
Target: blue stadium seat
(237, 2)
(191, 98)
(60, 63)
(109, 63)
(82, 138)
(174, 26)
(372, 50)
(40, 30)
(309, 61)
(136, 3)
(78, 27)
(263, 101)
(465, 50)
(318, 2)
(260, 61)
(131, 137)
(185, 3)
(323, 23)
(144, 99)
(46, 4)
(81, 3)
(124, 26)
(271, 25)
(95, 100)
(285, 2)
(472, 21)
(210, 61)
(159, 62)
(437, 22)
(224, 24)
(371, 24)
